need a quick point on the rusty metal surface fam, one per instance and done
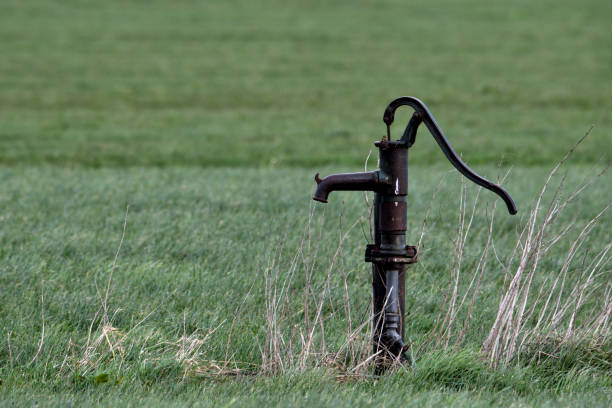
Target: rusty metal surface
(389, 254)
(375, 254)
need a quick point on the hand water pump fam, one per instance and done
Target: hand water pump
(389, 254)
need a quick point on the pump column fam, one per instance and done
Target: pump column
(389, 254)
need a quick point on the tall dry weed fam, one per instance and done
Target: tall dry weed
(538, 306)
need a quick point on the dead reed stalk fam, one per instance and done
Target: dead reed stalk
(294, 345)
(454, 300)
(559, 298)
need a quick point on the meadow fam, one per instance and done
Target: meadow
(159, 244)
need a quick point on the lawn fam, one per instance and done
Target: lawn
(156, 170)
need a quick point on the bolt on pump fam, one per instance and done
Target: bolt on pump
(389, 254)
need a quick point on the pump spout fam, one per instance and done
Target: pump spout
(368, 181)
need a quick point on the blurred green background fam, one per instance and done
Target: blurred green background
(298, 83)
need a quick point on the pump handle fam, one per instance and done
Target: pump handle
(422, 114)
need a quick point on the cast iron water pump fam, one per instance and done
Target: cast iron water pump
(389, 254)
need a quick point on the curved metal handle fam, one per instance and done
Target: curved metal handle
(423, 114)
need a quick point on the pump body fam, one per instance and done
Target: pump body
(389, 254)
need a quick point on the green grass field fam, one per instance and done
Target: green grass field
(207, 122)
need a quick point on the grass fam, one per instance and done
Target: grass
(206, 121)
(240, 83)
(194, 245)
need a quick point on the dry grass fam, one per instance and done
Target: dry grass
(291, 345)
(443, 333)
(526, 320)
